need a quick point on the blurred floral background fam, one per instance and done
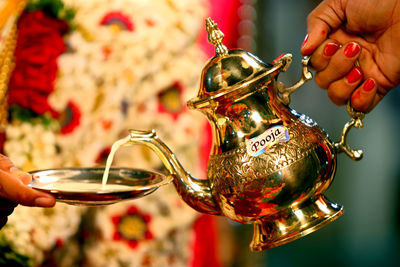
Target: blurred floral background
(68, 102)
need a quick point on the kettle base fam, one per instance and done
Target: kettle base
(294, 223)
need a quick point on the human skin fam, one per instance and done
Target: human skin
(14, 190)
(345, 34)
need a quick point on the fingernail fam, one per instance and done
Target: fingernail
(307, 51)
(44, 202)
(351, 50)
(305, 40)
(368, 85)
(330, 49)
(354, 75)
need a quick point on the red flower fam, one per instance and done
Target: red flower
(39, 44)
(107, 124)
(41, 23)
(59, 242)
(70, 118)
(118, 19)
(27, 76)
(32, 100)
(102, 157)
(132, 227)
(170, 100)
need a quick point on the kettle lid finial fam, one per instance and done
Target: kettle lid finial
(215, 37)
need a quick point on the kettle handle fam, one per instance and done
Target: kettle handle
(356, 116)
(356, 121)
(306, 75)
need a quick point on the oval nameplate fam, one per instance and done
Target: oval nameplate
(259, 144)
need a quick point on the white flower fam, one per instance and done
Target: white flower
(114, 78)
(32, 231)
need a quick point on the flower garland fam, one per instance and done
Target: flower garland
(39, 44)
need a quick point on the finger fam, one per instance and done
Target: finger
(25, 177)
(13, 189)
(326, 17)
(5, 163)
(320, 58)
(340, 64)
(365, 97)
(340, 91)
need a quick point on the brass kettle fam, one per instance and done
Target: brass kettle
(269, 165)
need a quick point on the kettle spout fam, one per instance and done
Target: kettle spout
(195, 192)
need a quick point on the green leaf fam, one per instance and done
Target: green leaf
(26, 115)
(8, 257)
(53, 8)
(19, 113)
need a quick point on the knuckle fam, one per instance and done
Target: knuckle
(336, 98)
(26, 179)
(311, 17)
(316, 63)
(25, 197)
(320, 81)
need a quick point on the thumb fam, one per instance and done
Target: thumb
(14, 189)
(325, 18)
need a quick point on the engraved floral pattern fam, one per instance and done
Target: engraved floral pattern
(237, 167)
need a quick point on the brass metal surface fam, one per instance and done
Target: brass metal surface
(269, 165)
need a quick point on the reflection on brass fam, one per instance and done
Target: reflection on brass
(215, 37)
(356, 121)
(269, 165)
(306, 75)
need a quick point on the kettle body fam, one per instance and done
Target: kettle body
(269, 165)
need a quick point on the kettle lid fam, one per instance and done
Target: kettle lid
(228, 71)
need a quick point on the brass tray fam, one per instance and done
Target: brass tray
(83, 186)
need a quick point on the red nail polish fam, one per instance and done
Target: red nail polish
(330, 49)
(354, 75)
(305, 40)
(351, 50)
(368, 85)
(276, 59)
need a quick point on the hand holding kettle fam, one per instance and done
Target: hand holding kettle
(354, 46)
